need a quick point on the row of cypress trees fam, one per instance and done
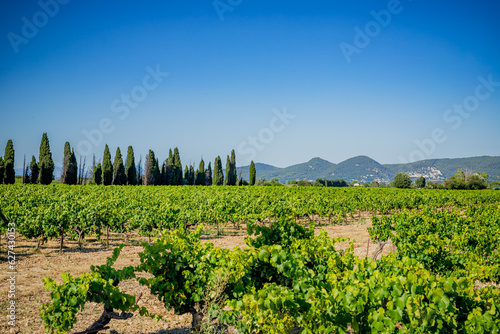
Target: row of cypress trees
(169, 173)
(41, 171)
(118, 173)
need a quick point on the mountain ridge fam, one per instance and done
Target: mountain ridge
(365, 169)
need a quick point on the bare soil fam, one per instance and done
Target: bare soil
(33, 266)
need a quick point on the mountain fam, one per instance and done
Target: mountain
(304, 171)
(265, 168)
(365, 169)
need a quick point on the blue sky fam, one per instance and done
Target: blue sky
(234, 65)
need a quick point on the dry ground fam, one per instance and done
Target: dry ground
(33, 266)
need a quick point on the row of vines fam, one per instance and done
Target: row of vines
(59, 211)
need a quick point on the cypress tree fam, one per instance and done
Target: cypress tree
(98, 174)
(9, 174)
(26, 175)
(208, 175)
(192, 175)
(215, 175)
(2, 170)
(186, 175)
(168, 172)
(93, 168)
(163, 174)
(107, 167)
(67, 156)
(119, 177)
(227, 179)
(252, 173)
(148, 175)
(123, 175)
(130, 170)
(169, 169)
(72, 168)
(150, 169)
(201, 168)
(140, 172)
(35, 171)
(154, 169)
(45, 161)
(200, 179)
(221, 173)
(170, 157)
(177, 170)
(233, 172)
(218, 179)
(156, 172)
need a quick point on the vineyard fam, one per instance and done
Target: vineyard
(442, 276)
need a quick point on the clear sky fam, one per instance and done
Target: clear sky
(281, 82)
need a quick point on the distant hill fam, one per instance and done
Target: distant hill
(265, 168)
(304, 171)
(365, 169)
(439, 169)
(362, 168)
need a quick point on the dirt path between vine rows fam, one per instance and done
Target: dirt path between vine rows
(32, 267)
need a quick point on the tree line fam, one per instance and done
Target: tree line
(166, 172)
(170, 171)
(118, 172)
(467, 180)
